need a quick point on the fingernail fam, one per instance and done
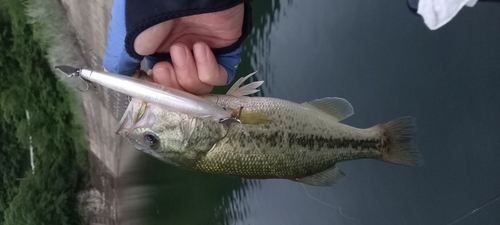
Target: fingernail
(162, 71)
(179, 55)
(162, 75)
(200, 52)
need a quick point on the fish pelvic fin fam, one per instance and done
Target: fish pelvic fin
(248, 89)
(397, 146)
(326, 177)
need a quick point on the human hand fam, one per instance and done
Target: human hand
(197, 71)
(189, 41)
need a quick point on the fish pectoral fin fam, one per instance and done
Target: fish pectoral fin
(326, 177)
(336, 107)
(248, 89)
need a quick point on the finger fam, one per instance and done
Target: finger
(185, 70)
(163, 73)
(209, 71)
(142, 75)
(149, 41)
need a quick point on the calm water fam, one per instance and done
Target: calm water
(385, 61)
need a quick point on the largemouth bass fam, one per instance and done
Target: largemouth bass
(270, 138)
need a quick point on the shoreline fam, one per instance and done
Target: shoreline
(102, 109)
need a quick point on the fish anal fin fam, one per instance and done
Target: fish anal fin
(336, 107)
(248, 89)
(326, 177)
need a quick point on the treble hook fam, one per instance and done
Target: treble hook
(75, 72)
(232, 119)
(86, 83)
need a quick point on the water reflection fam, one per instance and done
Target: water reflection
(152, 192)
(385, 61)
(258, 45)
(287, 202)
(235, 206)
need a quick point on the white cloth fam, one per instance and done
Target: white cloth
(437, 13)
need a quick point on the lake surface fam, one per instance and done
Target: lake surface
(388, 64)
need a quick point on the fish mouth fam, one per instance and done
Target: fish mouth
(136, 115)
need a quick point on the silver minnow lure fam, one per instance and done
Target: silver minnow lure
(171, 98)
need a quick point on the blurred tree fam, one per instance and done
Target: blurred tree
(49, 196)
(14, 160)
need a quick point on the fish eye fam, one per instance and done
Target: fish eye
(151, 140)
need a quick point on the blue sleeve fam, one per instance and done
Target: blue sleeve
(116, 58)
(230, 62)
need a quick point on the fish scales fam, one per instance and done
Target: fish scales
(263, 151)
(267, 137)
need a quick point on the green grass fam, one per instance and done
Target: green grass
(27, 54)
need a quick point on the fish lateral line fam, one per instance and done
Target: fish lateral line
(235, 117)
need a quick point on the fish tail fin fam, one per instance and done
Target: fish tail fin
(397, 146)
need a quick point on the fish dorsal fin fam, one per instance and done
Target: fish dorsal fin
(336, 107)
(248, 89)
(326, 177)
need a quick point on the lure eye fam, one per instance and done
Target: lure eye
(151, 140)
